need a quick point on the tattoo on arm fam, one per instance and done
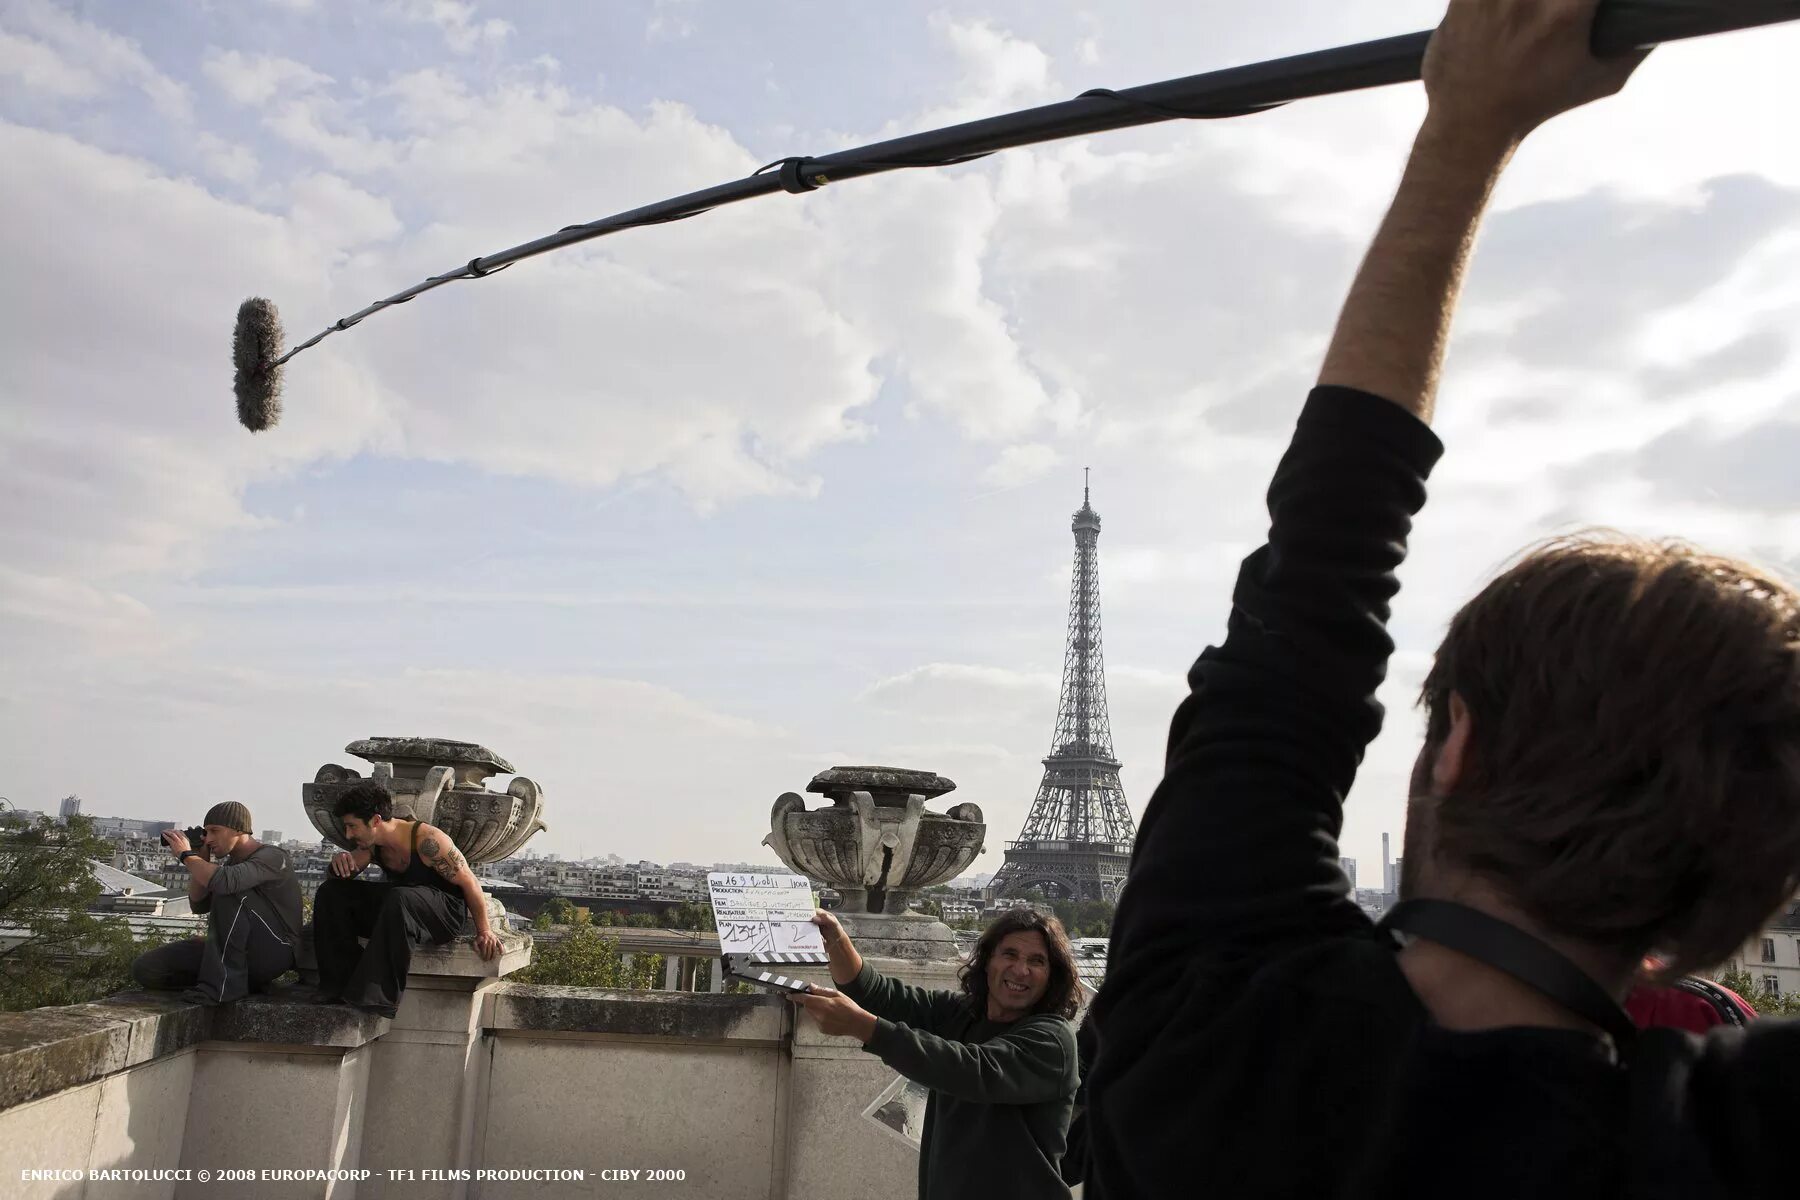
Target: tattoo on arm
(446, 861)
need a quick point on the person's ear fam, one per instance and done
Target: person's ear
(1452, 759)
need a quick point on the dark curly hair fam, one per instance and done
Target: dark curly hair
(1062, 996)
(364, 801)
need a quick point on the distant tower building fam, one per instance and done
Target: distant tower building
(71, 807)
(1349, 871)
(1076, 844)
(1387, 867)
(272, 837)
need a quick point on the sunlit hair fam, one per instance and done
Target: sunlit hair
(1061, 995)
(365, 801)
(1633, 773)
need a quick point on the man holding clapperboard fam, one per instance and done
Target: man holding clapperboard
(999, 1055)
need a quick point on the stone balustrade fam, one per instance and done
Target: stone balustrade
(475, 1074)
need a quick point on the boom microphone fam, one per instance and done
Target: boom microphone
(1620, 26)
(256, 353)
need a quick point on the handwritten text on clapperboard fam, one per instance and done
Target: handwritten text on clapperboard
(764, 914)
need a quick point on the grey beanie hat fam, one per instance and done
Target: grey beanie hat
(230, 814)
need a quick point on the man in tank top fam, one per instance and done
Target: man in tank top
(426, 896)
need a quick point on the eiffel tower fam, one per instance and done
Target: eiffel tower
(1076, 843)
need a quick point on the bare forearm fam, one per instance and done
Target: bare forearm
(477, 902)
(200, 873)
(1391, 336)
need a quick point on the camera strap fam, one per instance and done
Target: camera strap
(1510, 949)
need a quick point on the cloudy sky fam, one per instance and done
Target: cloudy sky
(678, 518)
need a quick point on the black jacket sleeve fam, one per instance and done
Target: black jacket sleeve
(1236, 859)
(892, 1000)
(265, 866)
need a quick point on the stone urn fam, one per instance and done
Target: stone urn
(876, 843)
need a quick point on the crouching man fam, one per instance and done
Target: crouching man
(251, 901)
(999, 1056)
(428, 893)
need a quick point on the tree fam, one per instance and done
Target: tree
(586, 958)
(560, 910)
(696, 917)
(1766, 1004)
(1085, 918)
(55, 951)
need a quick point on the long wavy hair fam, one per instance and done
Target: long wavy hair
(1061, 995)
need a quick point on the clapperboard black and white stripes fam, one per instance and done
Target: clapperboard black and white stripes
(811, 957)
(743, 966)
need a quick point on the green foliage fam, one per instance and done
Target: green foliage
(558, 910)
(1085, 918)
(696, 917)
(54, 951)
(585, 958)
(1766, 1004)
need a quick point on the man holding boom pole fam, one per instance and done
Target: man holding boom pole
(1611, 769)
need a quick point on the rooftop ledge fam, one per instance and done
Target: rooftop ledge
(48, 1050)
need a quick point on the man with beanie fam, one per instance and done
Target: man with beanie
(251, 899)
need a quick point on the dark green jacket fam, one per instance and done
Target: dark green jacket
(1001, 1094)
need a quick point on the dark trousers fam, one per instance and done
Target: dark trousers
(395, 918)
(243, 949)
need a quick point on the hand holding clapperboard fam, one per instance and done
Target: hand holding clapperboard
(765, 919)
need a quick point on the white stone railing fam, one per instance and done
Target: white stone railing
(475, 1074)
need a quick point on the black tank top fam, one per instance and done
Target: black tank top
(417, 873)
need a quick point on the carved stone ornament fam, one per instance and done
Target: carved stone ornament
(876, 843)
(441, 782)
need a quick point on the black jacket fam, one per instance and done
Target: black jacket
(1001, 1093)
(1257, 1037)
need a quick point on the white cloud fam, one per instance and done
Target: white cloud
(671, 20)
(332, 211)
(999, 71)
(1021, 464)
(71, 52)
(954, 692)
(133, 450)
(317, 124)
(116, 617)
(41, 70)
(256, 79)
(227, 160)
(463, 31)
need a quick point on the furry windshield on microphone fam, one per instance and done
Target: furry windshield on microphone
(255, 345)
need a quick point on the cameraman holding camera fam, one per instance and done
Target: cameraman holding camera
(251, 899)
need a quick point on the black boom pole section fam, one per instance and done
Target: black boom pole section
(1619, 26)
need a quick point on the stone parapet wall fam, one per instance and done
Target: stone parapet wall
(475, 1073)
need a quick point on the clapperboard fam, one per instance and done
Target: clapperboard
(766, 920)
(746, 968)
